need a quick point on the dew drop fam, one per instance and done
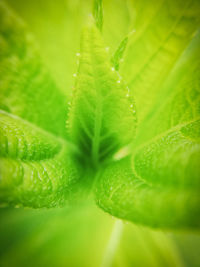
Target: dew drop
(118, 81)
(74, 75)
(133, 31)
(78, 54)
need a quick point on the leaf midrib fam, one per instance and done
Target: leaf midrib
(159, 136)
(98, 113)
(160, 47)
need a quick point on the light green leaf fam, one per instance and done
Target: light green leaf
(36, 169)
(117, 57)
(98, 13)
(179, 102)
(124, 194)
(57, 31)
(163, 30)
(102, 117)
(26, 89)
(160, 184)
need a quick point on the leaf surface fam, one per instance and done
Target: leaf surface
(36, 169)
(124, 194)
(163, 30)
(26, 88)
(159, 185)
(102, 117)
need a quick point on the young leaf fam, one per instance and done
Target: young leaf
(117, 57)
(102, 117)
(163, 30)
(98, 13)
(36, 169)
(124, 194)
(26, 89)
(160, 186)
(57, 31)
(170, 152)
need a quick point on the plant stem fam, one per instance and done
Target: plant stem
(112, 244)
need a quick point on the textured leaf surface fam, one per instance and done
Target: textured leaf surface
(163, 30)
(36, 169)
(102, 117)
(35, 166)
(160, 186)
(122, 193)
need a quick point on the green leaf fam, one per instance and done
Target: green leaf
(98, 13)
(157, 185)
(36, 168)
(124, 194)
(27, 90)
(57, 31)
(160, 184)
(117, 57)
(102, 117)
(163, 30)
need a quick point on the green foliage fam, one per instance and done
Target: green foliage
(36, 169)
(118, 56)
(27, 89)
(157, 184)
(116, 120)
(162, 178)
(98, 13)
(101, 121)
(102, 117)
(163, 29)
(35, 166)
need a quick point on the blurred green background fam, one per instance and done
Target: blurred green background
(78, 236)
